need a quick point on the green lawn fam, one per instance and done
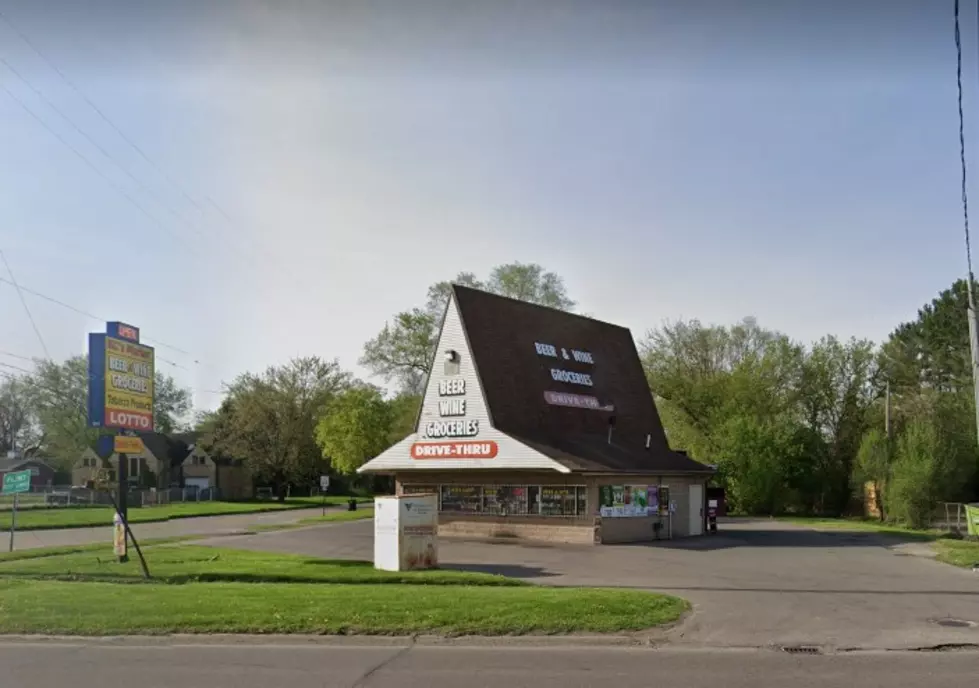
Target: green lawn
(208, 590)
(80, 517)
(958, 552)
(108, 609)
(866, 526)
(186, 563)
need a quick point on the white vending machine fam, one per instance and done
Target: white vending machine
(406, 532)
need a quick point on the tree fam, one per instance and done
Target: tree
(171, 405)
(59, 401)
(403, 351)
(933, 350)
(269, 420)
(19, 429)
(354, 428)
(838, 386)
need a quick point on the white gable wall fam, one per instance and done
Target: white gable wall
(511, 454)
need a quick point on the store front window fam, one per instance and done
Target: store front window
(507, 500)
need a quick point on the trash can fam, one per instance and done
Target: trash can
(351, 505)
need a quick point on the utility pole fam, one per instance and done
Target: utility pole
(974, 347)
(887, 411)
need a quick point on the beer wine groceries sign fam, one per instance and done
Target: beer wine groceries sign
(120, 380)
(452, 423)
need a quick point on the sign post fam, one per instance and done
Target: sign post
(15, 483)
(324, 486)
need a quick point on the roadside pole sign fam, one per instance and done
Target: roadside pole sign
(125, 444)
(324, 482)
(15, 483)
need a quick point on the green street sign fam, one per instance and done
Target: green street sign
(19, 481)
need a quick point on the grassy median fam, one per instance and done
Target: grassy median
(209, 590)
(88, 516)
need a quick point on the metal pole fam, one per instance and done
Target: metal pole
(123, 506)
(887, 410)
(13, 523)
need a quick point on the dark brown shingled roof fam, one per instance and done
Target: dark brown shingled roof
(502, 333)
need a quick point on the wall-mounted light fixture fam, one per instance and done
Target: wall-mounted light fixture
(451, 356)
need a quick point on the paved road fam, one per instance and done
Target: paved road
(203, 526)
(758, 584)
(183, 663)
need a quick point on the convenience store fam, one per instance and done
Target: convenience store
(539, 424)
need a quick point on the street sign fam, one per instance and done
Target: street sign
(18, 481)
(124, 444)
(324, 482)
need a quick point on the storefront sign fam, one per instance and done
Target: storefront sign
(454, 450)
(121, 374)
(452, 428)
(569, 376)
(576, 401)
(123, 444)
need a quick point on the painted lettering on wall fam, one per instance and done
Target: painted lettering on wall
(576, 355)
(453, 406)
(452, 428)
(454, 450)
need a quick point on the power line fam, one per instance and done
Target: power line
(105, 118)
(79, 311)
(115, 187)
(23, 302)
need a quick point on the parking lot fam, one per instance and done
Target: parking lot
(756, 583)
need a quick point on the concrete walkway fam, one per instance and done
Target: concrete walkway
(758, 583)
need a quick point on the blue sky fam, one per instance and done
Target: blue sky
(793, 161)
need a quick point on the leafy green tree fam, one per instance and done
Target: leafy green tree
(916, 479)
(171, 405)
(19, 429)
(838, 386)
(404, 416)
(354, 428)
(403, 351)
(269, 420)
(932, 351)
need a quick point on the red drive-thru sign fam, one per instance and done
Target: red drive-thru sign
(454, 450)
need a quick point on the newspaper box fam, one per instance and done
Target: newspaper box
(406, 532)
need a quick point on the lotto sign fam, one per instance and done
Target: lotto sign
(121, 372)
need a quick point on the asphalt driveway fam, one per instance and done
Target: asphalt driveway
(757, 583)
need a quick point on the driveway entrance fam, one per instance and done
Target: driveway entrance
(756, 583)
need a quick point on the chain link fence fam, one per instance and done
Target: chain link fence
(68, 496)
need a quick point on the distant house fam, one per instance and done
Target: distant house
(169, 461)
(202, 470)
(42, 475)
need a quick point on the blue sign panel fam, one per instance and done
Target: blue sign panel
(96, 380)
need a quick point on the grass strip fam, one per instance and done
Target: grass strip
(195, 563)
(55, 607)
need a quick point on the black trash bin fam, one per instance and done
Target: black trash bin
(352, 505)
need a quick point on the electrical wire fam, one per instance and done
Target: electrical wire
(23, 301)
(105, 118)
(113, 185)
(79, 311)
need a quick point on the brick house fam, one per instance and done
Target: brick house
(539, 423)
